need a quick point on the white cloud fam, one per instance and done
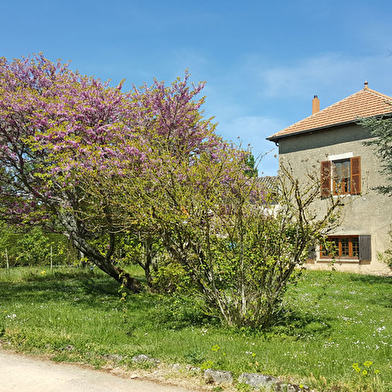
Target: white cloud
(330, 73)
(244, 98)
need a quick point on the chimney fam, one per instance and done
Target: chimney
(315, 104)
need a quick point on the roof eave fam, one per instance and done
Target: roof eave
(276, 138)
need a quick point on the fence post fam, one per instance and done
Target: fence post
(51, 258)
(6, 259)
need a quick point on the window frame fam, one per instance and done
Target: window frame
(339, 254)
(328, 182)
(341, 185)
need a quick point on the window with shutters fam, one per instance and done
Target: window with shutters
(350, 248)
(341, 177)
(341, 247)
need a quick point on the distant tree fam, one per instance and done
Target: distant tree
(381, 129)
(251, 169)
(34, 248)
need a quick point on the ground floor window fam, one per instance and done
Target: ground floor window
(341, 247)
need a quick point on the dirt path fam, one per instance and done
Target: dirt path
(20, 373)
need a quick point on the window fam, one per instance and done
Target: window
(354, 247)
(342, 247)
(341, 176)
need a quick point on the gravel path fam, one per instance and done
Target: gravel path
(20, 373)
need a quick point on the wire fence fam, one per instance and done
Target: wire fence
(36, 249)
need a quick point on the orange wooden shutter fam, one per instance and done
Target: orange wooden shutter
(355, 175)
(325, 178)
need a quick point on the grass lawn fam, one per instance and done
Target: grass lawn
(336, 336)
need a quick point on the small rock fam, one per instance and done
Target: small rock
(193, 369)
(218, 376)
(145, 358)
(140, 358)
(116, 371)
(113, 357)
(287, 387)
(177, 367)
(258, 381)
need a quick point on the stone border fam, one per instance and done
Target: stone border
(257, 381)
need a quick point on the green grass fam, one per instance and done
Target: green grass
(334, 320)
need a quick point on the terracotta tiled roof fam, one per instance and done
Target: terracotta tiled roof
(364, 103)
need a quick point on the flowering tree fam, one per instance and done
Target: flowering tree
(59, 128)
(174, 144)
(48, 113)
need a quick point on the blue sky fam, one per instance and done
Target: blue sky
(262, 60)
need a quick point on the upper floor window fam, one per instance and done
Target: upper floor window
(341, 176)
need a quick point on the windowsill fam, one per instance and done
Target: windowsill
(348, 260)
(342, 195)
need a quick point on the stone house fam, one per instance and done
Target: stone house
(330, 143)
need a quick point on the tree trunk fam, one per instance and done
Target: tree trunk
(119, 275)
(149, 261)
(105, 263)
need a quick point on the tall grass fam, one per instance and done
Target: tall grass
(334, 335)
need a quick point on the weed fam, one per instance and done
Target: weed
(195, 356)
(207, 365)
(241, 387)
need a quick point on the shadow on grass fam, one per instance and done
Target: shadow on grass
(371, 279)
(381, 284)
(175, 312)
(293, 325)
(94, 290)
(59, 286)
(301, 325)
